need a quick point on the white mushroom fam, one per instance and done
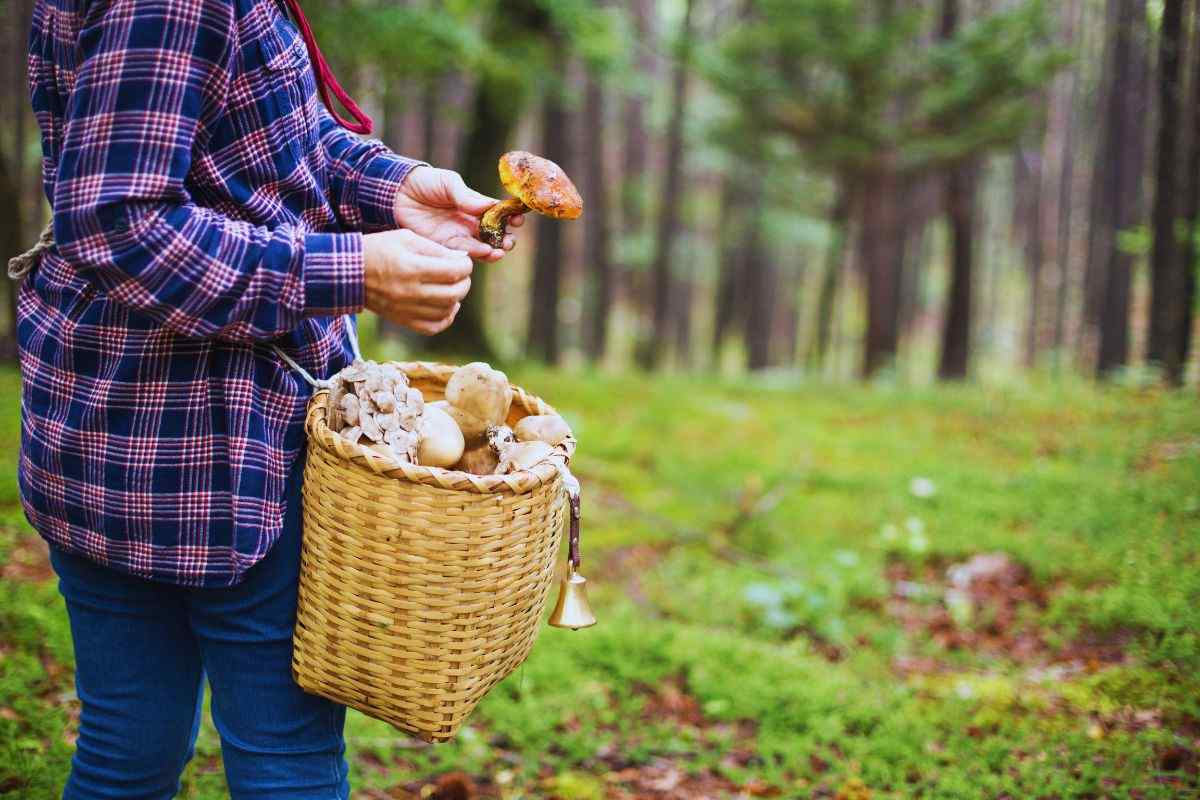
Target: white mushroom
(478, 460)
(403, 443)
(353, 372)
(370, 428)
(478, 397)
(442, 442)
(522, 455)
(549, 428)
(411, 409)
(381, 449)
(349, 408)
(384, 400)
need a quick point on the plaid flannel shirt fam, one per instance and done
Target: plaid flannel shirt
(205, 205)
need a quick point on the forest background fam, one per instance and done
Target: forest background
(877, 338)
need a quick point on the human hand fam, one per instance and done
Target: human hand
(413, 281)
(438, 205)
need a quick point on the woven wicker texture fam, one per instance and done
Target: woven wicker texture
(420, 587)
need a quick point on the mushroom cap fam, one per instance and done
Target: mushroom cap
(540, 184)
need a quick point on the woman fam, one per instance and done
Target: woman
(206, 205)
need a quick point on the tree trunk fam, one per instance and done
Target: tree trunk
(922, 196)
(1126, 115)
(960, 209)
(681, 319)
(12, 242)
(496, 106)
(956, 327)
(633, 118)
(1167, 284)
(882, 262)
(1065, 217)
(16, 233)
(1100, 236)
(542, 338)
(788, 327)
(394, 108)
(1033, 250)
(635, 146)
(1191, 199)
(839, 220)
(597, 230)
(669, 197)
(1065, 100)
(758, 276)
(431, 110)
(728, 311)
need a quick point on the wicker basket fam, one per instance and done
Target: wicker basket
(420, 587)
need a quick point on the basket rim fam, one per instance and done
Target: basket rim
(516, 483)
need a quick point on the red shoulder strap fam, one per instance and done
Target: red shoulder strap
(326, 82)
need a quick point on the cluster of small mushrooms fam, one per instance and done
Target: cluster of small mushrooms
(373, 405)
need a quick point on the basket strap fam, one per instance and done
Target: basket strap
(318, 383)
(573, 555)
(571, 487)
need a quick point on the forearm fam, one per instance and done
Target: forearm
(201, 274)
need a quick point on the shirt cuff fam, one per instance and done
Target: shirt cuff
(378, 183)
(333, 274)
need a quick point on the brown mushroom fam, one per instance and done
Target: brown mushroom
(536, 184)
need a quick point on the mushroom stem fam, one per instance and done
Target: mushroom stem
(493, 226)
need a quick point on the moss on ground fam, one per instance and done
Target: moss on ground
(779, 575)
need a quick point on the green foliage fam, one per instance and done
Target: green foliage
(741, 540)
(421, 40)
(854, 83)
(402, 41)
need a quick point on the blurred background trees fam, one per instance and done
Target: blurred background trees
(831, 188)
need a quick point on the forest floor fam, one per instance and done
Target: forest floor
(816, 591)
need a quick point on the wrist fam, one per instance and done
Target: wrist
(333, 278)
(377, 188)
(371, 262)
(403, 198)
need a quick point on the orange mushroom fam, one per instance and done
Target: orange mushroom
(535, 184)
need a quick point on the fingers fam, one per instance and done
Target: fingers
(473, 247)
(516, 220)
(444, 294)
(462, 250)
(482, 251)
(408, 314)
(430, 328)
(414, 281)
(419, 244)
(467, 199)
(428, 303)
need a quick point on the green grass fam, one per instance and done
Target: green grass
(774, 608)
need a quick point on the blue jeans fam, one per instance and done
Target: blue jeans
(142, 652)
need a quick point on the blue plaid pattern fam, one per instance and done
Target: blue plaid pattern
(205, 206)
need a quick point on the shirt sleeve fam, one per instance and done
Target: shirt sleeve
(151, 77)
(364, 177)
